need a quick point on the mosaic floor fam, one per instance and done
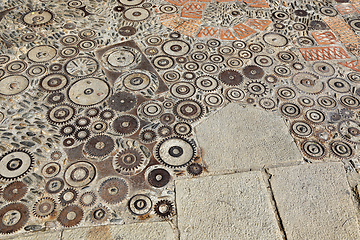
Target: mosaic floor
(99, 99)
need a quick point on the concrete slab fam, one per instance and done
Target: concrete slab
(35, 236)
(238, 137)
(314, 202)
(148, 231)
(234, 206)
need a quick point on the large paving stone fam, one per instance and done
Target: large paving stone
(314, 202)
(233, 206)
(148, 231)
(237, 137)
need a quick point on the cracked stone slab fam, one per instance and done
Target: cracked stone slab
(314, 201)
(240, 137)
(149, 231)
(233, 206)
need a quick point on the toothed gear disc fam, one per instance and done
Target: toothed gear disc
(44, 207)
(175, 152)
(13, 217)
(15, 164)
(37, 18)
(308, 83)
(113, 190)
(70, 216)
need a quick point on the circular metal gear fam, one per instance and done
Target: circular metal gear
(194, 169)
(80, 174)
(158, 177)
(14, 191)
(140, 204)
(188, 110)
(99, 146)
(13, 217)
(126, 125)
(122, 101)
(129, 161)
(113, 190)
(175, 152)
(44, 207)
(231, 77)
(15, 164)
(164, 208)
(70, 216)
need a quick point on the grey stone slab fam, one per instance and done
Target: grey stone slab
(233, 206)
(35, 236)
(314, 202)
(149, 231)
(237, 137)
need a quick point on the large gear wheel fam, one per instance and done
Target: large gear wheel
(158, 177)
(54, 82)
(70, 216)
(175, 152)
(349, 130)
(88, 91)
(253, 72)
(15, 164)
(99, 146)
(13, 217)
(113, 190)
(140, 204)
(308, 83)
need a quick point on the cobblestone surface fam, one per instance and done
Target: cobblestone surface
(107, 105)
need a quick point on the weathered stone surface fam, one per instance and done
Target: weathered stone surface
(149, 231)
(234, 206)
(314, 202)
(238, 137)
(36, 236)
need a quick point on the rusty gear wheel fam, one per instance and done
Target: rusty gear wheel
(128, 160)
(68, 196)
(164, 208)
(158, 177)
(99, 214)
(44, 207)
(70, 216)
(194, 169)
(126, 125)
(14, 191)
(231, 77)
(113, 190)
(147, 136)
(13, 217)
(99, 146)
